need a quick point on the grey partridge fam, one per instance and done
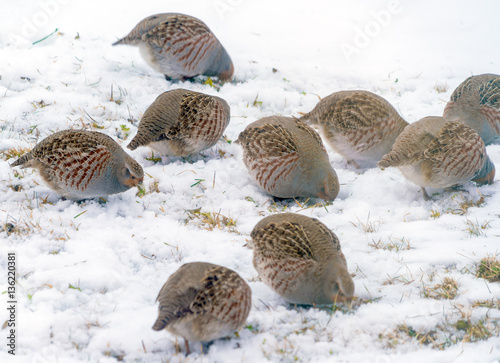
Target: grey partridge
(301, 260)
(79, 164)
(359, 125)
(182, 122)
(180, 46)
(202, 302)
(286, 157)
(437, 153)
(476, 102)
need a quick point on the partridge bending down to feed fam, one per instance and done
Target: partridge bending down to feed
(79, 164)
(359, 125)
(300, 258)
(180, 46)
(287, 159)
(182, 122)
(202, 302)
(476, 103)
(437, 153)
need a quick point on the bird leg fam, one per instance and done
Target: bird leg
(186, 344)
(426, 196)
(353, 163)
(205, 346)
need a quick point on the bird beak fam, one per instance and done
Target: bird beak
(141, 190)
(349, 304)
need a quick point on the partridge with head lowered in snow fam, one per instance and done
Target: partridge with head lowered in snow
(286, 157)
(180, 46)
(300, 258)
(182, 122)
(437, 153)
(359, 125)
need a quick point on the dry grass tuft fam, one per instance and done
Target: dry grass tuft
(210, 220)
(461, 205)
(14, 152)
(402, 333)
(465, 204)
(476, 228)
(368, 226)
(441, 88)
(474, 331)
(447, 289)
(396, 244)
(490, 304)
(489, 269)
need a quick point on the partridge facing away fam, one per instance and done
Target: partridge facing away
(437, 153)
(359, 125)
(79, 164)
(300, 258)
(202, 302)
(287, 159)
(476, 103)
(180, 46)
(182, 122)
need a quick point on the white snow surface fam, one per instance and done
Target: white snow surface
(88, 273)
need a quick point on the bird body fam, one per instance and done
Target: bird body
(182, 122)
(359, 125)
(437, 153)
(476, 103)
(180, 46)
(79, 164)
(202, 302)
(300, 258)
(287, 159)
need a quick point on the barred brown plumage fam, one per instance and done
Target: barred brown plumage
(202, 302)
(79, 164)
(359, 125)
(182, 122)
(287, 159)
(180, 46)
(476, 103)
(437, 153)
(300, 258)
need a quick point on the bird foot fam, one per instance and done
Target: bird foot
(456, 188)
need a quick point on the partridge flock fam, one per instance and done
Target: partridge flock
(298, 257)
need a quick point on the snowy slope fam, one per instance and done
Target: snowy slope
(89, 273)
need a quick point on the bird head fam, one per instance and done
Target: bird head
(131, 175)
(227, 73)
(328, 188)
(486, 174)
(338, 286)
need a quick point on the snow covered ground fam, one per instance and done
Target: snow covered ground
(88, 274)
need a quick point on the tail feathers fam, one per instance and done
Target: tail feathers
(122, 41)
(133, 144)
(306, 117)
(22, 160)
(160, 323)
